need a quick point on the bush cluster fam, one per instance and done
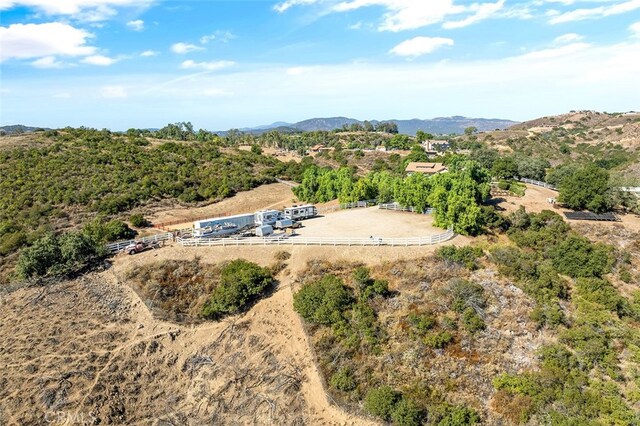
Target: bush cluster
(241, 283)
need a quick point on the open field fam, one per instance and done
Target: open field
(369, 222)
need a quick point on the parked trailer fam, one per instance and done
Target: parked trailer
(267, 217)
(300, 212)
(222, 225)
(264, 230)
(284, 224)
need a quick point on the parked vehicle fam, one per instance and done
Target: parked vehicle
(139, 247)
(267, 217)
(300, 212)
(218, 230)
(263, 231)
(283, 224)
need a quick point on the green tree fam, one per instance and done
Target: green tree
(587, 188)
(504, 168)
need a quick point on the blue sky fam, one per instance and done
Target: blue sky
(224, 64)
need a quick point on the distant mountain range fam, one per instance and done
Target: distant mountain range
(439, 125)
(18, 128)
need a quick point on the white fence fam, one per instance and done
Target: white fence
(317, 241)
(116, 247)
(358, 204)
(398, 207)
(538, 183)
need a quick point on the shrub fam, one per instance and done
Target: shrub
(460, 255)
(57, 255)
(459, 416)
(504, 185)
(548, 314)
(472, 321)
(625, 275)
(601, 291)
(241, 283)
(367, 287)
(11, 241)
(139, 221)
(407, 413)
(512, 262)
(323, 301)
(438, 340)
(577, 257)
(343, 380)
(118, 230)
(465, 294)
(421, 323)
(381, 402)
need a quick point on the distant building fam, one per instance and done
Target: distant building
(434, 145)
(425, 168)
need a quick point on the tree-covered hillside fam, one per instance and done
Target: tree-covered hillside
(86, 170)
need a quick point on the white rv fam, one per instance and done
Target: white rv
(267, 217)
(300, 212)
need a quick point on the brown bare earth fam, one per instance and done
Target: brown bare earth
(90, 350)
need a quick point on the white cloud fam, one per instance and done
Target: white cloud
(602, 77)
(99, 60)
(568, 38)
(482, 12)
(557, 52)
(221, 36)
(113, 92)
(86, 10)
(285, 5)
(635, 29)
(207, 66)
(596, 12)
(355, 26)
(182, 48)
(21, 41)
(404, 15)
(149, 53)
(47, 62)
(419, 46)
(137, 25)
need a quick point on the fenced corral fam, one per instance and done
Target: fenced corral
(399, 208)
(538, 183)
(318, 241)
(117, 246)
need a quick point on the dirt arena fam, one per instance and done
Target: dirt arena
(369, 222)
